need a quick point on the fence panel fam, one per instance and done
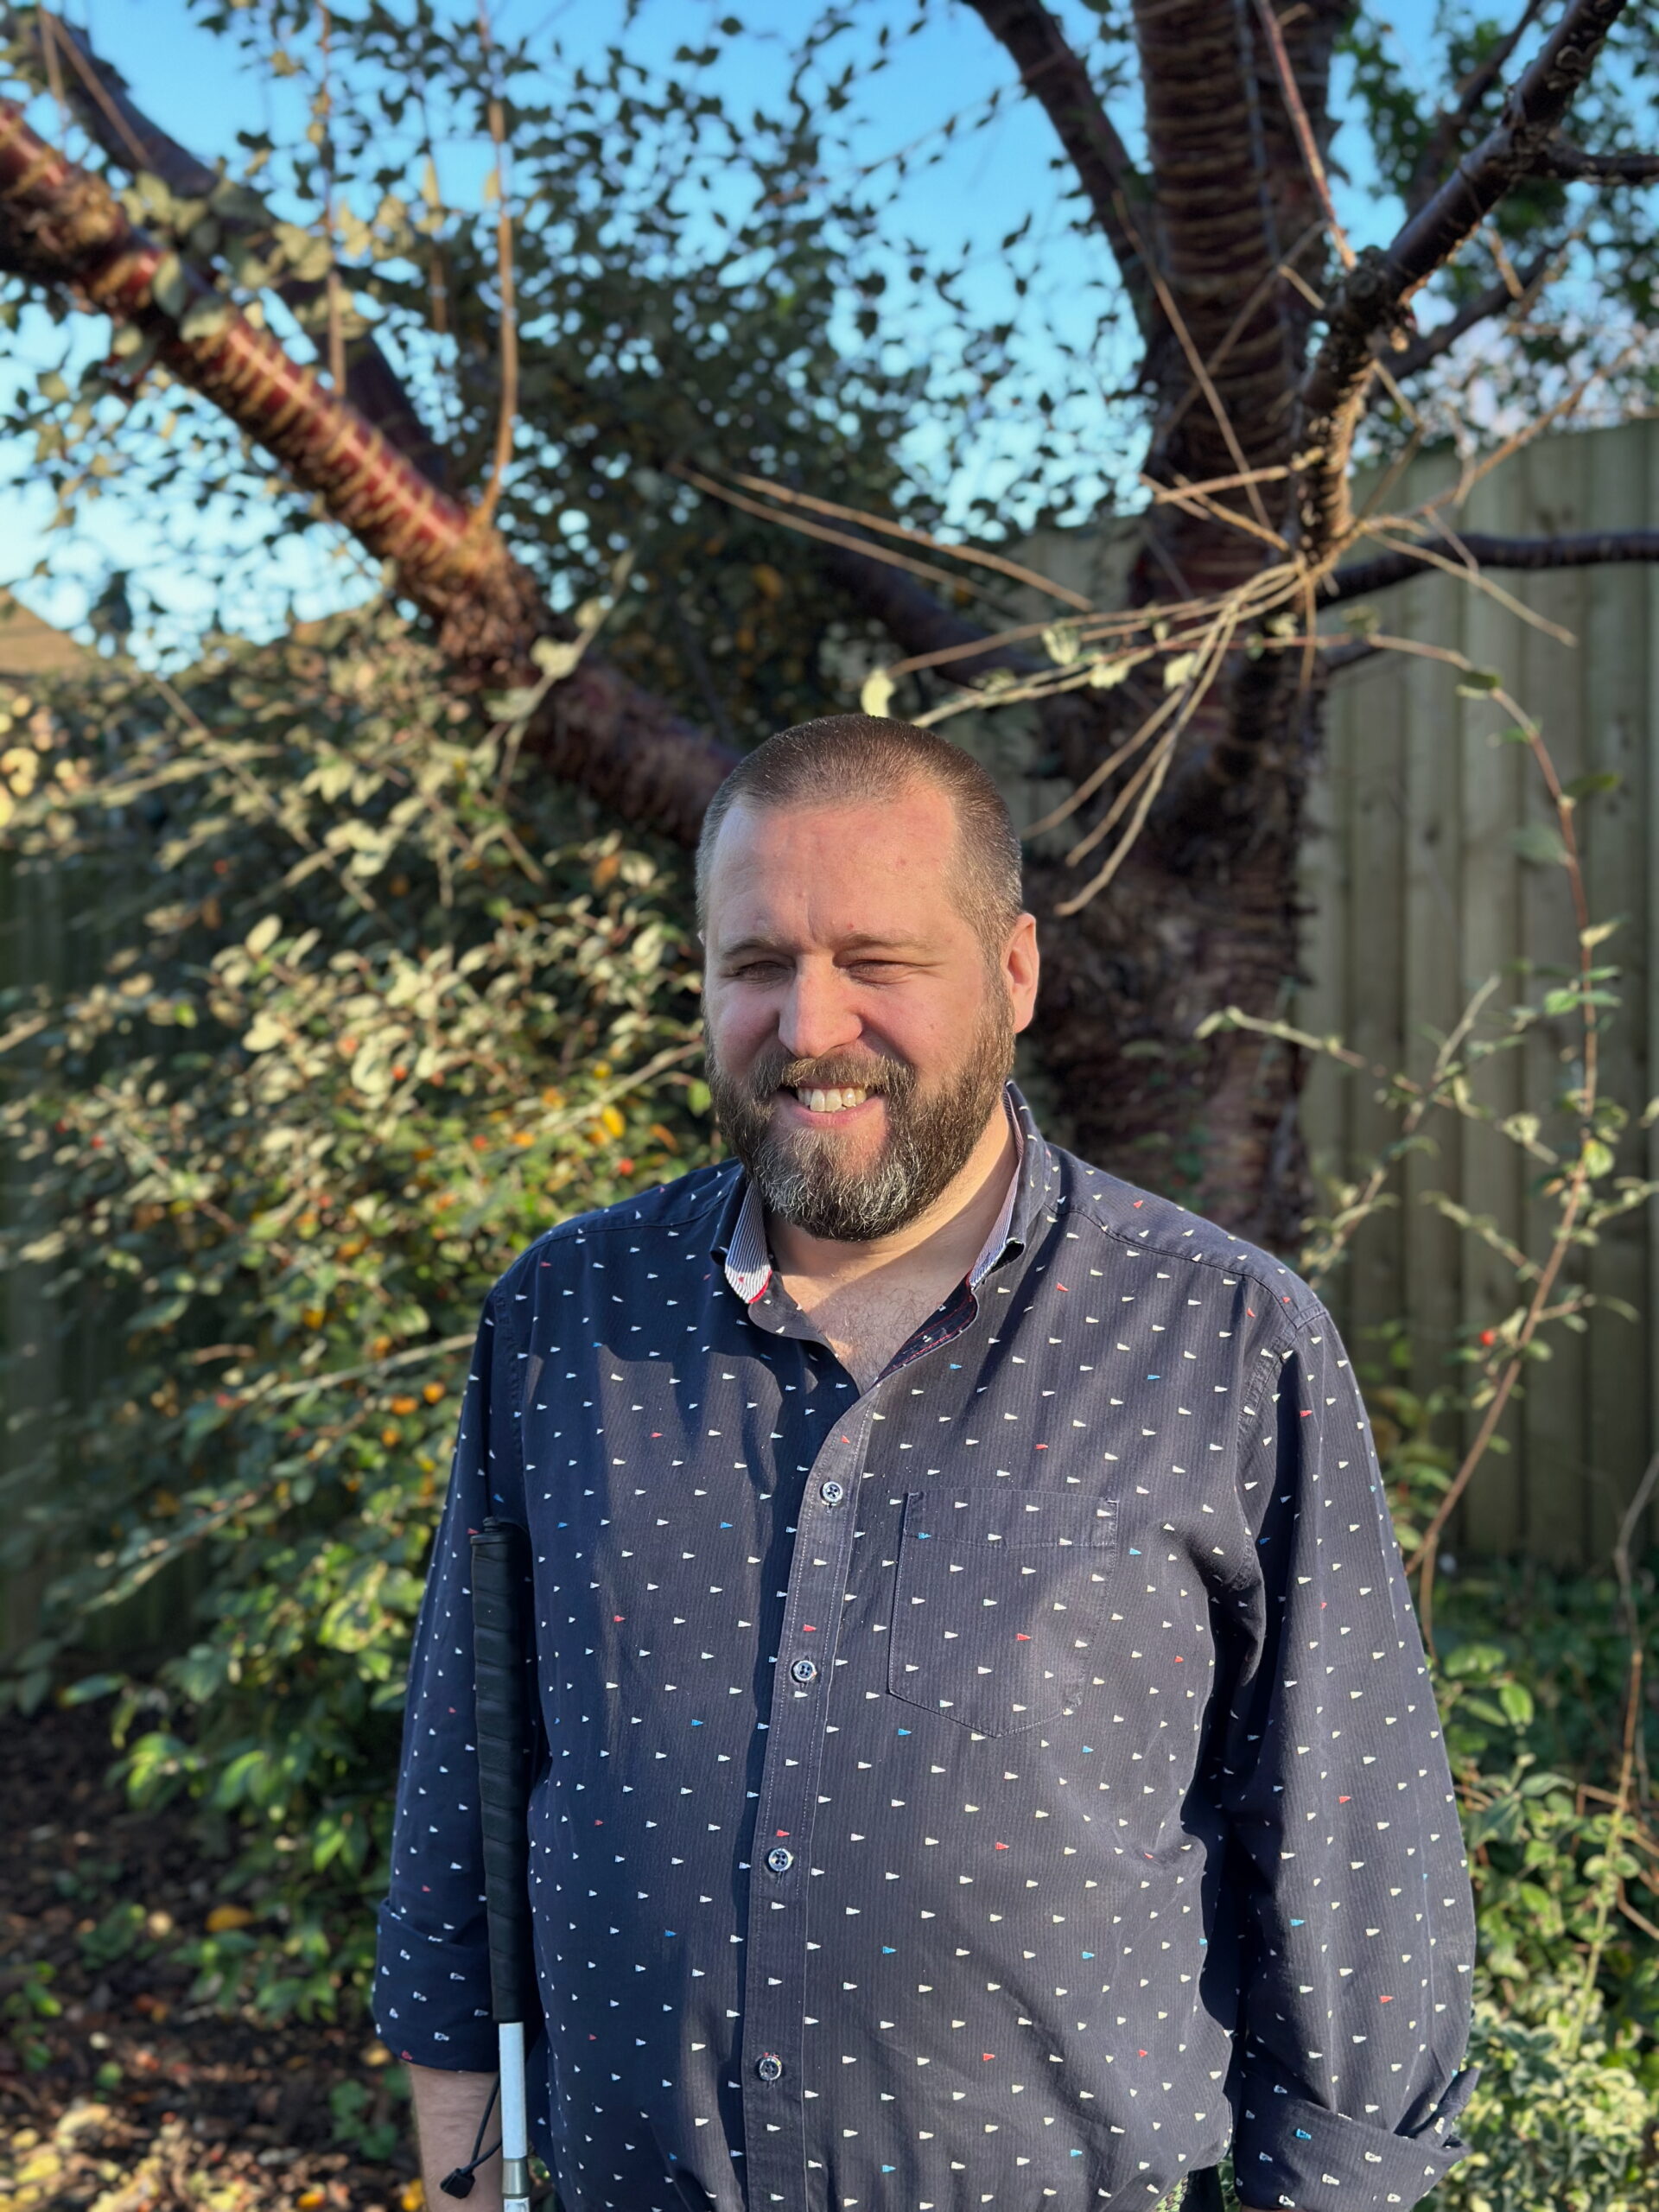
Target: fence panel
(1417, 893)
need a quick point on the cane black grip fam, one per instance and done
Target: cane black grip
(503, 1689)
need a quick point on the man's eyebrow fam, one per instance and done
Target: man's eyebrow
(861, 942)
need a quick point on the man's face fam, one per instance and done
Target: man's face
(859, 1030)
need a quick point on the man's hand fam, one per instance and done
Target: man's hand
(447, 2109)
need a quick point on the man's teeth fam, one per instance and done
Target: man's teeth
(831, 1102)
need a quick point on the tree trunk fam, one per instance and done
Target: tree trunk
(1193, 923)
(1204, 913)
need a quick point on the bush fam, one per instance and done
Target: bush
(361, 1039)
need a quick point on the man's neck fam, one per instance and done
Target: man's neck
(949, 1236)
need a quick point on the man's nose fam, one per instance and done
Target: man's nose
(819, 1015)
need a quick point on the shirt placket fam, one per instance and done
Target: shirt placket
(775, 2126)
(774, 2109)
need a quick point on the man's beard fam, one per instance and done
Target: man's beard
(802, 1173)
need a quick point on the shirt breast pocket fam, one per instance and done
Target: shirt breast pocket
(997, 1603)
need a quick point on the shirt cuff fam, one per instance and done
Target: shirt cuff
(431, 1999)
(1318, 2161)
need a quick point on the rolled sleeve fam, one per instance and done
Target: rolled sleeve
(431, 1997)
(1357, 1923)
(1306, 2155)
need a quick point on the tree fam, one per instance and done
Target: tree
(1271, 360)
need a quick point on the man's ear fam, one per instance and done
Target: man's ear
(1021, 969)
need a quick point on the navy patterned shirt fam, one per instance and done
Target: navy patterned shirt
(1008, 1786)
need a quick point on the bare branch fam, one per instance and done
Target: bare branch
(1452, 124)
(916, 621)
(1577, 549)
(100, 101)
(507, 414)
(1058, 79)
(1373, 300)
(63, 229)
(1574, 164)
(1427, 348)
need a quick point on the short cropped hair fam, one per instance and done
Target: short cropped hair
(848, 757)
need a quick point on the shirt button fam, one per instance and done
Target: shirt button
(805, 1670)
(779, 1858)
(769, 2066)
(831, 1493)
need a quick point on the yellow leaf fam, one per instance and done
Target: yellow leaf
(404, 1405)
(309, 2199)
(613, 1120)
(767, 581)
(877, 695)
(432, 1392)
(312, 1317)
(414, 2196)
(223, 1919)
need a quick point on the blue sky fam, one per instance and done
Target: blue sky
(984, 182)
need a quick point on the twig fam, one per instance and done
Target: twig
(1195, 362)
(1627, 1528)
(748, 506)
(506, 421)
(1292, 93)
(977, 557)
(1573, 1192)
(336, 327)
(1611, 1884)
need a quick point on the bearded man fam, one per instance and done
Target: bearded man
(988, 1757)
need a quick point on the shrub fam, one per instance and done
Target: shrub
(361, 1038)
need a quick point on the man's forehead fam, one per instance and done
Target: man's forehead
(857, 874)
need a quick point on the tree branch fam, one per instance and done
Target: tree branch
(1374, 298)
(126, 135)
(1428, 345)
(63, 228)
(1574, 164)
(1453, 122)
(1057, 76)
(1575, 550)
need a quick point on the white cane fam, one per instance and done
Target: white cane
(504, 1687)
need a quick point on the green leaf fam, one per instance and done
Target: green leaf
(90, 1686)
(1516, 1701)
(1582, 787)
(169, 287)
(1479, 683)
(1541, 845)
(1597, 1158)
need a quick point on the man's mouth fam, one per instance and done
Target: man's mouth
(830, 1102)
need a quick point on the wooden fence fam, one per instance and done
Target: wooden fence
(1417, 893)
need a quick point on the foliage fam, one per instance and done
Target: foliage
(1533, 1682)
(355, 1045)
(688, 289)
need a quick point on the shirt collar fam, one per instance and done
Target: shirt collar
(742, 1246)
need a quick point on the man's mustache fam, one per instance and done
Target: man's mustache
(830, 1073)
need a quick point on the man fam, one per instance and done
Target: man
(989, 1760)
